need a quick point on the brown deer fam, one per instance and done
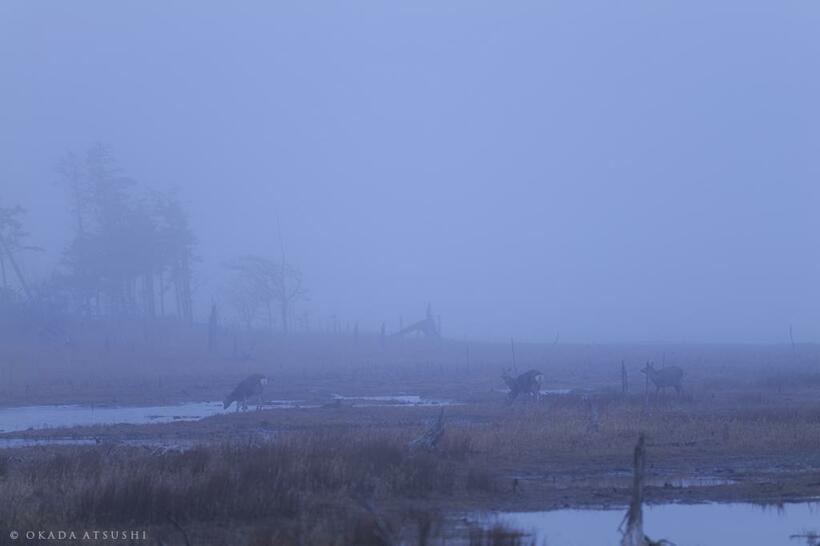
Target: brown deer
(671, 376)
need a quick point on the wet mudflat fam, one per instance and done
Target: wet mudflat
(21, 418)
(394, 399)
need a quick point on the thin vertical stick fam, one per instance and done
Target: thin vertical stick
(646, 389)
(791, 338)
(633, 533)
(512, 346)
(624, 379)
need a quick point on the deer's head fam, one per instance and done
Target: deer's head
(649, 369)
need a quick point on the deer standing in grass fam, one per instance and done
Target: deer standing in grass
(526, 383)
(671, 376)
(250, 387)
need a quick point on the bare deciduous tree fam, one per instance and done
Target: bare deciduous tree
(12, 242)
(245, 303)
(275, 285)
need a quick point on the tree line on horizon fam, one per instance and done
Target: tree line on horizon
(131, 253)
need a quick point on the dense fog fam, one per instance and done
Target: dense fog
(593, 172)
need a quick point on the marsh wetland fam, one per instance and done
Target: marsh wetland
(329, 457)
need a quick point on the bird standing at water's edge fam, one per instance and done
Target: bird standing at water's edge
(250, 387)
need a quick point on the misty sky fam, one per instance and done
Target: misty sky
(615, 171)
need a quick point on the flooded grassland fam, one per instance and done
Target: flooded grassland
(329, 458)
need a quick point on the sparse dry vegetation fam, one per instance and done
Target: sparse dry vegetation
(312, 486)
(338, 475)
(365, 484)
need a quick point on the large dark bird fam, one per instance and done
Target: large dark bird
(527, 383)
(250, 387)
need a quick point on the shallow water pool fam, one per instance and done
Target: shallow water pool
(15, 419)
(684, 524)
(395, 399)
(26, 417)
